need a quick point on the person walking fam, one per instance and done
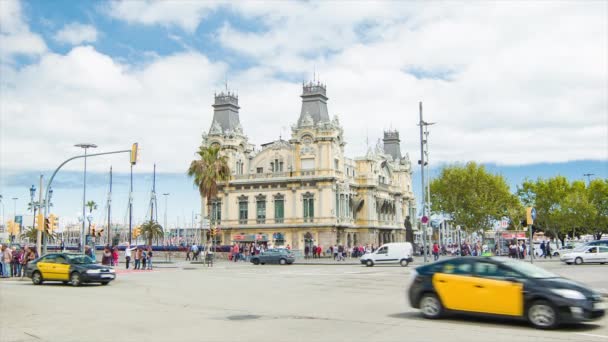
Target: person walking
(194, 250)
(106, 257)
(128, 250)
(7, 257)
(143, 258)
(435, 251)
(137, 258)
(115, 256)
(149, 257)
(235, 252)
(548, 250)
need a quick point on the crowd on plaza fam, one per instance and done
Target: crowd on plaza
(142, 261)
(13, 260)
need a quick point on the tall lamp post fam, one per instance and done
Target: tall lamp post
(588, 175)
(425, 190)
(33, 204)
(85, 146)
(166, 194)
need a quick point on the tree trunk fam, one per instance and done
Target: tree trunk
(598, 235)
(561, 238)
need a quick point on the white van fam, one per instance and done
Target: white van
(390, 253)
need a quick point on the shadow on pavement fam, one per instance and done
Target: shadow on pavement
(489, 321)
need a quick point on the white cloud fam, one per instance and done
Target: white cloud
(185, 14)
(76, 33)
(527, 83)
(15, 36)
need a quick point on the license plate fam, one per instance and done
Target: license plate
(600, 306)
(107, 276)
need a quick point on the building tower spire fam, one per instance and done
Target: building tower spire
(314, 104)
(225, 112)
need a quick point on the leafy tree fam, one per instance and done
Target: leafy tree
(474, 198)
(151, 230)
(598, 197)
(31, 234)
(92, 206)
(547, 197)
(208, 171)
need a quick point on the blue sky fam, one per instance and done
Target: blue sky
(114, 73)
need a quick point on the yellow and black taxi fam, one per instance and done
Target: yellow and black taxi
(76, 269)
(502, 287)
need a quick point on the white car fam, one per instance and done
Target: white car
(586, 254)
(394, 252)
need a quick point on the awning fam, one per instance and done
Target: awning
(250, 238)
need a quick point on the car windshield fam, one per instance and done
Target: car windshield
(529, 270)
(79, 259)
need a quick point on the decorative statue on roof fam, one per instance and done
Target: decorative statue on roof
(379, 147)
(216, 128)
(307, 120)
(238, 129)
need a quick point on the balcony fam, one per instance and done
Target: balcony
(289, 174)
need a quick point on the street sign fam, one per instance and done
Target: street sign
(533, 213)
(424, 220)
(504, 224)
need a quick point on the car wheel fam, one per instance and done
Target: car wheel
(431, 306)
(542, 315)
(569, 263)
(105, 282)
(256, 261)
(369, 263)
(75, 279)
(555, 254)
(262, 263)
(37, 278)
(578, 261)
(282, 261)
(403, 263)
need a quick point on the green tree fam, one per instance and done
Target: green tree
(207, 172)
(30, 233)
(598, 197)
(91, 205)
(474, 198)
(151, 230)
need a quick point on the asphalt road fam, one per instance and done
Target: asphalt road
(242, 302)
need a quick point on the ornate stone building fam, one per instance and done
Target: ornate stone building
(305, 190)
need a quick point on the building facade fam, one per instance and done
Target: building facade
(305, 191)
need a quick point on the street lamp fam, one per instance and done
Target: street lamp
(166, 194)
(588, 175)
(85, 146)
(33, 204)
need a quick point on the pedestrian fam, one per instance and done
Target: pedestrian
(128, 250)
(143, 258)
(149, 257)
(435, 251)
(15, 265)
(7, 257)
(106, 257)
(137, 258)
(25, 259)
(194, 250)
(542, 250)
(548, 250)
(115, 256)
(235, 252)
(188, 254)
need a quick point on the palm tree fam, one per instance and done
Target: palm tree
(92, 206)
(151, 230)
(31, 234)
(207, 171)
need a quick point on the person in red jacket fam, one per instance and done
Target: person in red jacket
(436, 251)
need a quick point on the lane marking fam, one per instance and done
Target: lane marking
(593, 335)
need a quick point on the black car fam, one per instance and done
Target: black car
(274, 256)
(68, 268)
(502, 287)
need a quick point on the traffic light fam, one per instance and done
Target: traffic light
(99, 233)
(529, 219)
(47, 225)
(136, 232)
(40, 222)
(53, 222)
(12, 228)
(93, 226)
(524, 223)
(134, 152)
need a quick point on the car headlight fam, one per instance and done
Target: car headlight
(93, 271)
(570, 294)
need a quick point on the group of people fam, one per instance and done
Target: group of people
(242, 252)
(13, 260)
(143, 257)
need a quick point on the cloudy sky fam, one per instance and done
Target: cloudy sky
(515, 84)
